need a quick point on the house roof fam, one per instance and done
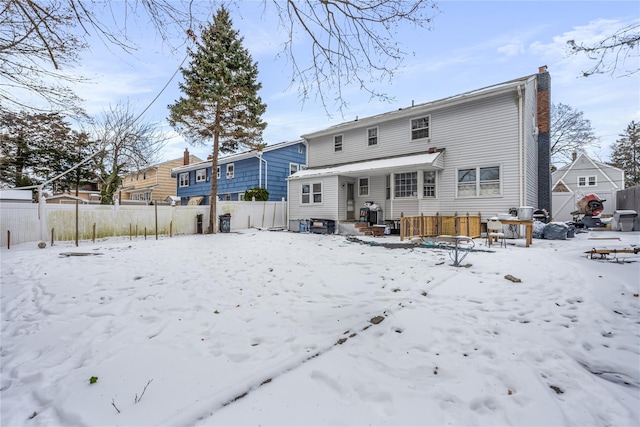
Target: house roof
(604, 169)
(421, 108)
(233, 157)
(433, 160)
(140, 189)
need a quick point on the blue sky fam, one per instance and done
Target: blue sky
(471, 44)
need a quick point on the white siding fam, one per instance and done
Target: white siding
(328, 209)
(530, 196)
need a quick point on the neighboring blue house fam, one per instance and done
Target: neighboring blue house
(240, 172)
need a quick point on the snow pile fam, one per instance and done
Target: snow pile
(279, 328)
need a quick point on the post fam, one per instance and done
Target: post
(421, 229)
(170, 228)
(94, 232)
(456, 224)
(130, 232)
(145, 233)
(52, 237)
(468, 226)
(156, 205)
(438, 231)
(8, 239)
(76, 221)
(402, 226)
(136, 231)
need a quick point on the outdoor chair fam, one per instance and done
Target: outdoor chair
(495, 231)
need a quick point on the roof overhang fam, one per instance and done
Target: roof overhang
(140, 189)
(426, 161)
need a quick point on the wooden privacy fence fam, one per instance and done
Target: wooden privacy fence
(437, 225)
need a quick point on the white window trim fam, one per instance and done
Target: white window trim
(218, 172)
(435, 185)
(299, 148)
(291, 166)
(201, 175)
(183, 179)
(311, 193)
(477, 192)
(586, 181)
(368, 187)
(231, 170)
(369, 144)
(412, 196)
(424, 138)
(335, 150)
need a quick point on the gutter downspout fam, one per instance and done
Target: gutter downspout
(521, 146)
(266, 170)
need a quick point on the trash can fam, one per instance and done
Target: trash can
(624, 219)
(225, 223)
(199, 218)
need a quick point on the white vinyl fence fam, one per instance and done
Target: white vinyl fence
(33, 222)
(565, 203)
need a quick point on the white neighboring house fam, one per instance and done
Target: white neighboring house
(483, 151)
(581, 177)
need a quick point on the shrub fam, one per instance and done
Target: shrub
(260, 194)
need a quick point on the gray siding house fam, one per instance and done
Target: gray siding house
(482, 151)
(586, 175)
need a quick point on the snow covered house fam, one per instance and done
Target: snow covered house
(483, 151)
(237, 173)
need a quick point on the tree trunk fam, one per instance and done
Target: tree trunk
(213, 197)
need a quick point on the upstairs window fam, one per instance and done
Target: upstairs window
(420, 128)
(586, 181)
(184, 179)
(299, 148)
(337, 143)
(218, 173)
(201, 175)
(230, 171)
(372, 136)
(429, 184)
(293, 168)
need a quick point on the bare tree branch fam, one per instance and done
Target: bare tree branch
(613, 52)
(352, 42)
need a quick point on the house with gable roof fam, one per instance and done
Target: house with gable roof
(483, 151)
(581, 177)
(239, 172)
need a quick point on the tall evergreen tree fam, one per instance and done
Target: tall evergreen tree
(626, 154)
(220, 103)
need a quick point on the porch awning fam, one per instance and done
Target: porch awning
(381, 166)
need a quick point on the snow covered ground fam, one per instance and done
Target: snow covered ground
(280, 328)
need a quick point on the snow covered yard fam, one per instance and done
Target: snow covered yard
(279, 328)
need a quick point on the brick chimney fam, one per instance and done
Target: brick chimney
(186, 156)
(575, 156)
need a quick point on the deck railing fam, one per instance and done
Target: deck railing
(436, 225)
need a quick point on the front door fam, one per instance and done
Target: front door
(351, 209)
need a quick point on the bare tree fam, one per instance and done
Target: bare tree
(126, 144)
(352, 42)
(40, 41)
(619, 50)
(570, 132)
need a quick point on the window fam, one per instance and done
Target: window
(317, 193)
(201, 175)
(337, 143)
(144, 196)
(479, 182)
(363, 186)
(293, 168)
(241, 196)
(420, 128)
(226, 197)
(218, 173)
(299, 148)
(406, 184)
(311, 193)
(230, 171)
(429, 184)
(184, 179)
(372, 136)
(584, 181)
(388, 187)
(144, 175)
